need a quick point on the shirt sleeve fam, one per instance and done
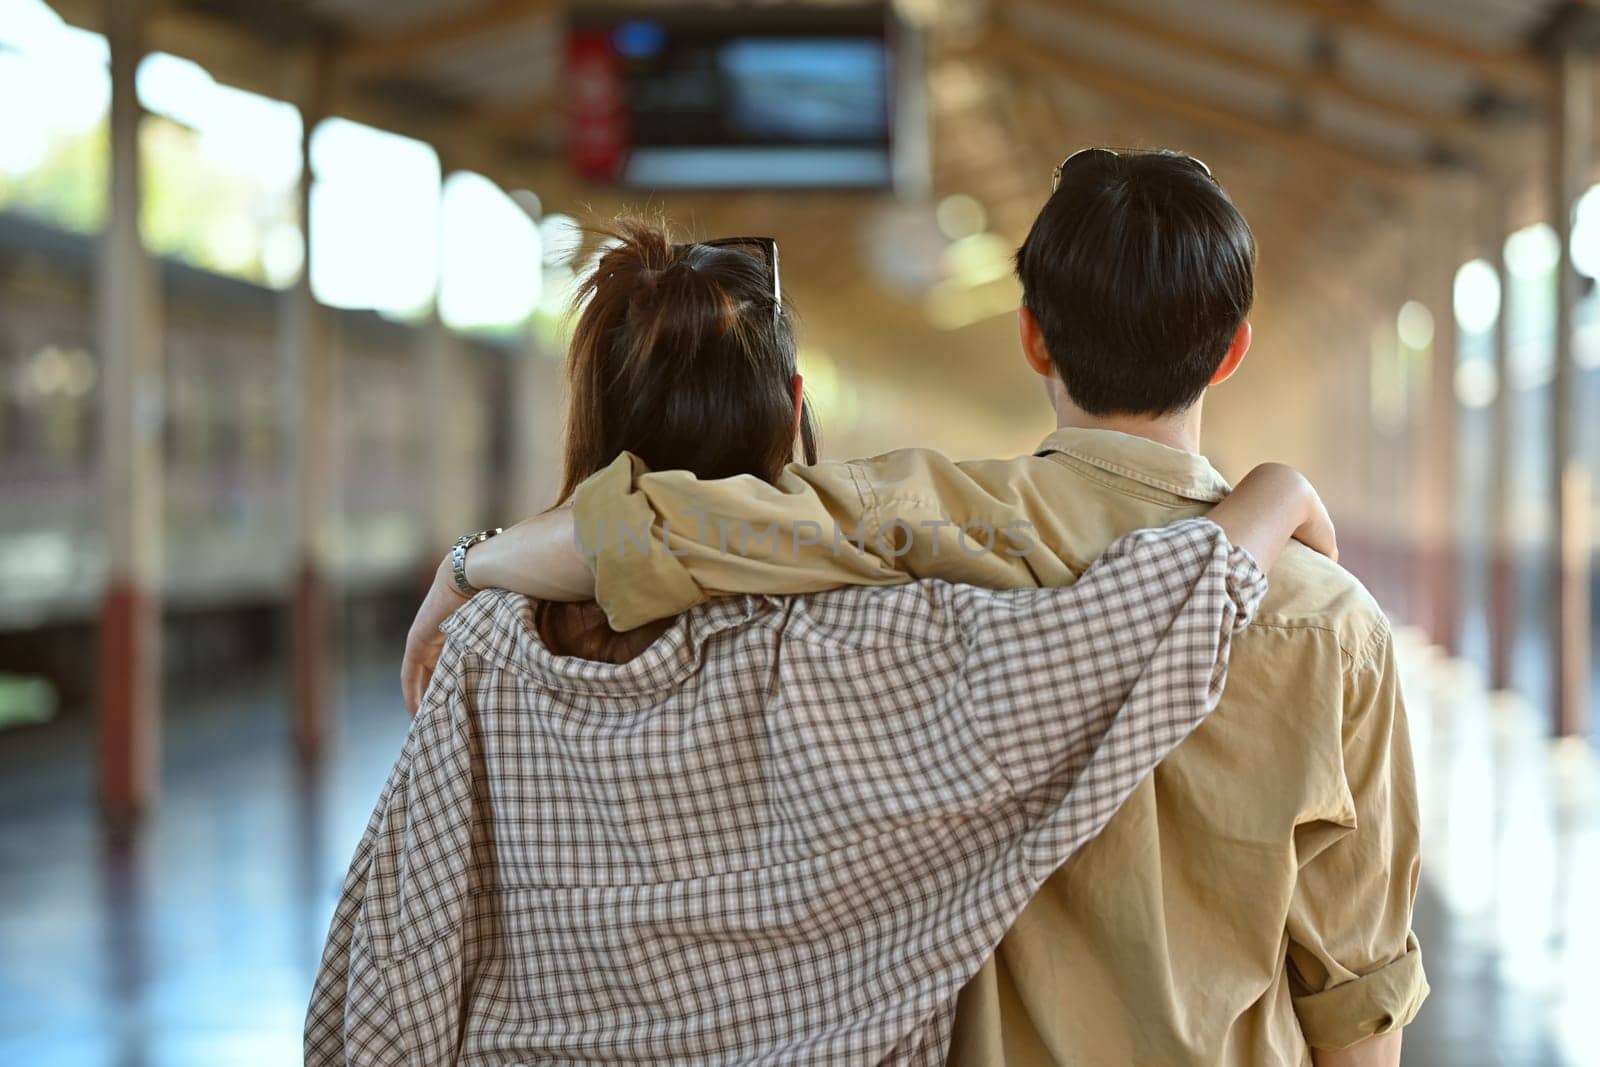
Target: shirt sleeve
(1080, 692)
(1355, 966)
(388, 990)
(661, 542)
(348, 1009)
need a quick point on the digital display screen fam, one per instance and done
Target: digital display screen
(817, 90)
(734, 96)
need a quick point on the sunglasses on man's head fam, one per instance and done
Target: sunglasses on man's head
(1055, 176)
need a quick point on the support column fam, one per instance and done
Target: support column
(1439, 595)
(461, 408)
(128, 327)
(304, 351)
(1569, 559)
(436, 369)
(1359, 548)
(443, 518)
(1502, 555)
(536, 427)
(1417, 499)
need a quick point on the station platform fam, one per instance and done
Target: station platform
(195, 945)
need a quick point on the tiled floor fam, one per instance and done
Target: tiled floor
(196, 946)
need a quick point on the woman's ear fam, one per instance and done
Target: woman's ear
(1033, 346)
(1235, 354)
(799, 387)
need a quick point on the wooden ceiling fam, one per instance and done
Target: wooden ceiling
(1386, 90)
(1349, 131)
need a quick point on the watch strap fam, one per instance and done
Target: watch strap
(458, 559)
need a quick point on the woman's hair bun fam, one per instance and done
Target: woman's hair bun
(679, 356)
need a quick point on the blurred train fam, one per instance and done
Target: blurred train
(227, 569)
(226, 541)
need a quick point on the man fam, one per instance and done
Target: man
(1251, 902)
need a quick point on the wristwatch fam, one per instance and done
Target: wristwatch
(458, 559)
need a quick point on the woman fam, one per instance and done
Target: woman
(782, 830)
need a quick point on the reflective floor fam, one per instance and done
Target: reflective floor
(196, 946)
(1509, 913)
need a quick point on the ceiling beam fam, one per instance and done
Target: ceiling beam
(229, 51)
(1035, 127)
(514, 122)
(1292, 207)
(364, 57)
(1325, 82)
(1013, 49)
(1520, 71)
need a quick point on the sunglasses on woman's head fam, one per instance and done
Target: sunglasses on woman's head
(763, 248)
(766, 250)
(1055, 176)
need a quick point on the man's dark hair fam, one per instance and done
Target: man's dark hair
(1139, 271)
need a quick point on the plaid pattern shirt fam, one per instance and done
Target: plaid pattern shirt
(787, 832)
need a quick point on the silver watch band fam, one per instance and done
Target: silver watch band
(458, 559)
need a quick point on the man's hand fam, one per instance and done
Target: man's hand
(424, 642)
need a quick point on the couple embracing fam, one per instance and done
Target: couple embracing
(939, 768)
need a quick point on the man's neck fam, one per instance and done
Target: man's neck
(1180, 430)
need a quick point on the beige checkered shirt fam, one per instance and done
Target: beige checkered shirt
(787, 832)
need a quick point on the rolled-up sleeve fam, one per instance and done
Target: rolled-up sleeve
(638, 577)
(1374, 1003)
(1355, 966)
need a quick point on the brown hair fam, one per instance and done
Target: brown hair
(681, 357)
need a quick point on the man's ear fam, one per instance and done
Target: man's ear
(799, 387)
(1033, 347)
(1235, 354)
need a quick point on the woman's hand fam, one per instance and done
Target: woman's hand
(1316, 532)
(424, 642)
(538, 557)
(1271, 505)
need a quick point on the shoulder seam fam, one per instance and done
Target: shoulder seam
(1355, 657)
(1374, 641)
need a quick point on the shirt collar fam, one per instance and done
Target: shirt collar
(499, 627)
(1141, 460)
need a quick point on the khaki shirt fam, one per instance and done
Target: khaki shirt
(1253, 896)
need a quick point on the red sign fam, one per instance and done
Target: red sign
(597, 106)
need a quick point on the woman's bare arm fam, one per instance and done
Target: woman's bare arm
(1272, 505)
(538, 556)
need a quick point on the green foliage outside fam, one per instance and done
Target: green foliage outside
(192, 210)
(68, 188)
